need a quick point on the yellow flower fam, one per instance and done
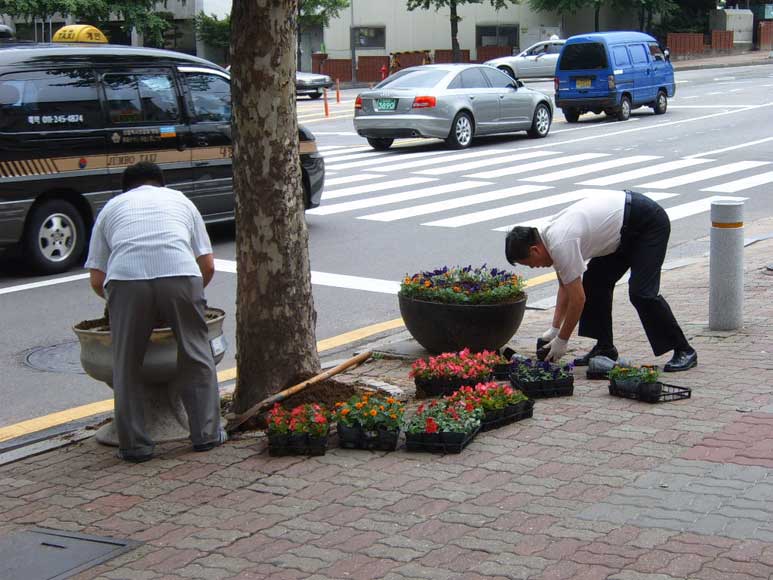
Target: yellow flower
(393, 416)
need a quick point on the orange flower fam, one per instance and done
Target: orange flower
(390, 400)
(345, 411)
(393, 416)
(427, 284)
(359, 405)
(373, 412)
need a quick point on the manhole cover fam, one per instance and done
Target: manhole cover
(59, 358)
(47, 554)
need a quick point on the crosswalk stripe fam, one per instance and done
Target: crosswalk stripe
(390, 156)
(514, 209)
(643, 172)
(539, 222)
(348, 151)
(695, 207)
(395, 197)
(537, 165)
(331, 147)
(355, 156)
(454, 168)
(741, 184)
(487, 196)
(454, 157)
(592, 168)
(351, 178)
(703, 175)
(370, 188)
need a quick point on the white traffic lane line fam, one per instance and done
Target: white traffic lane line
(43, 283)
(716, 151)
(643, 172)
(703, 175)
(586, 169)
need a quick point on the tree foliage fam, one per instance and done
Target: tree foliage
(455, 18)
(139, 14)
(214, 32)
(319, 12)
(645, 9)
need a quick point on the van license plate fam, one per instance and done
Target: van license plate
(582, 83)
(386, 104)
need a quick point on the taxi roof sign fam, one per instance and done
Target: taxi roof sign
(79, 33)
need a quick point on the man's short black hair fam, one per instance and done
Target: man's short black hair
(142, 173)
(518, 242)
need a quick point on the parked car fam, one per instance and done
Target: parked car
(311, 84)
(72, 117)
(539, 60)
(455, 102)
(613, 72)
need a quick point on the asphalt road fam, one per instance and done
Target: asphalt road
(420, 206)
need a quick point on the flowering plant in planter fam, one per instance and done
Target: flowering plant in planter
(465, 285)
(445, 416)
(501, 404)
(643, 374)
(635, 382)
(369, 422)
(301, 431)
(542, 378)
(446, 372)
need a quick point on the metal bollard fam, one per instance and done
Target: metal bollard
(726, 266)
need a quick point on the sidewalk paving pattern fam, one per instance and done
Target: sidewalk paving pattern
(591, 487)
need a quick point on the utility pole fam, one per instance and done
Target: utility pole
(352, 43)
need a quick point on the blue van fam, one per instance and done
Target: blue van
(613, 72)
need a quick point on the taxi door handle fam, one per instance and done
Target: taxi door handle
(202, 141)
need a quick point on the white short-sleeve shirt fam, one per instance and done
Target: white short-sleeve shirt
(587, 229)
(148, 232)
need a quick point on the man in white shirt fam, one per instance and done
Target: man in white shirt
(150, 257)
(616, 231)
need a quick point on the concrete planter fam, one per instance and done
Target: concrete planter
(451, 327)
(165, 418)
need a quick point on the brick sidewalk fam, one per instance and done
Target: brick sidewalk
(591, 487)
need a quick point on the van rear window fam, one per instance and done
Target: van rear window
(48, 100)
(583, 56)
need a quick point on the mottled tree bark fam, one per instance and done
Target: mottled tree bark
(275, 316)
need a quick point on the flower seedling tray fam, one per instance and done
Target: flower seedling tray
(356, 437)
(544, 389)
(439, 442)
(597, 375)
(280, 445)
(502, 371)
(510, 414)
(443, 387)
(644, 392)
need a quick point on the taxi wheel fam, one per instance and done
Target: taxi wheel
(540, 125)
(380, 144)
(462, 130)
(661, 103)
(624, 111)
(55, 236)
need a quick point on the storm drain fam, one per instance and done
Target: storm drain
(58, 358)
(39, 554)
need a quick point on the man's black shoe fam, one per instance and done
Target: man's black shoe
(681, 361)
(134, 458)
(222, 437)
(609, 352)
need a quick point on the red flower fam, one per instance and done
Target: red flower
(431, 426)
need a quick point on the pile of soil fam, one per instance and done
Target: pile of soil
(326, 393)
(103, 324)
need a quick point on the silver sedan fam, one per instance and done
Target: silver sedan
(539, 60)
(455, 102)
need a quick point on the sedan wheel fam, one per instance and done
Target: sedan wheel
(461, 131)
(380, 144)
(540, 125)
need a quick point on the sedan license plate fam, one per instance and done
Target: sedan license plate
(386, 104)
(582, 83)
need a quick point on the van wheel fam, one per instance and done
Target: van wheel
(571, 115)
(624, 111)
(55, 237)
(540, 125)
(380, 144)
(661, 103)
(462, 129)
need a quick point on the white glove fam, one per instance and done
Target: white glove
(557, 348)
(549, 335)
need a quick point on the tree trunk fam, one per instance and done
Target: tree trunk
(299, 58)
(275, 316)
(641, 19)
(456, 53)
(596, 16)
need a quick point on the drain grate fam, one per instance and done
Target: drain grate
(40, 554)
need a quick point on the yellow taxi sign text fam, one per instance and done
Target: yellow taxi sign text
(79, 33)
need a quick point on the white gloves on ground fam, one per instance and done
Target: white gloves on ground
(557, 348)
(549, 335)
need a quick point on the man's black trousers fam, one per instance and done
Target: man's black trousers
(644, 239)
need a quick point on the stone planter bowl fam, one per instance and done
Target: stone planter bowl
(451, 327)
(165, 418)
